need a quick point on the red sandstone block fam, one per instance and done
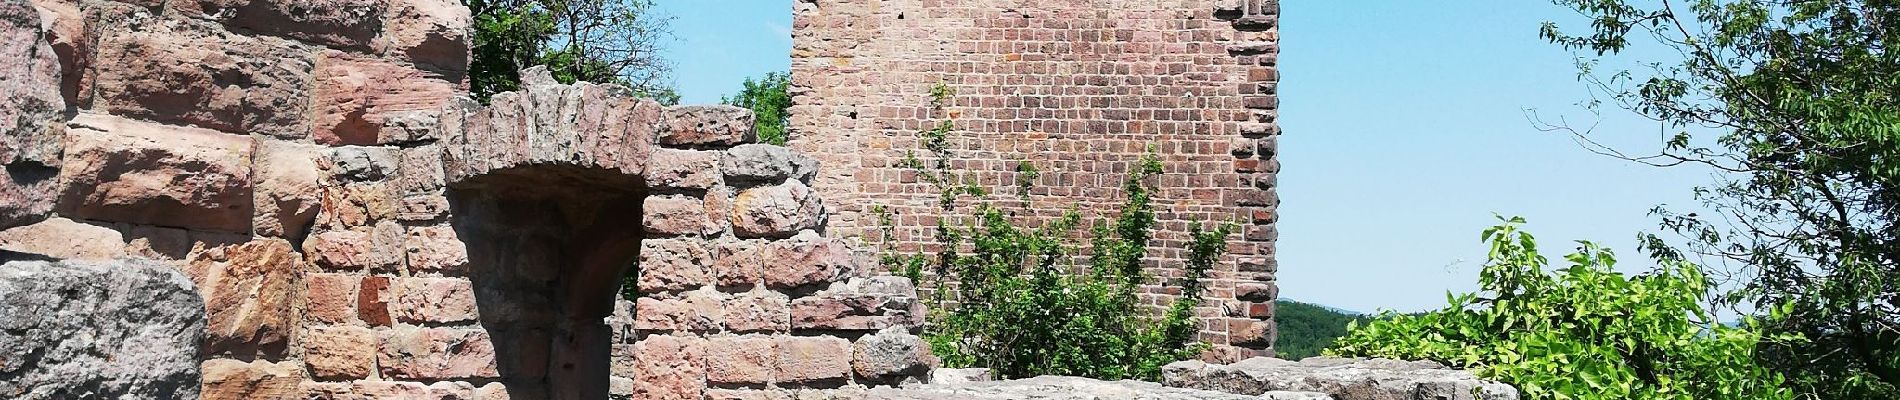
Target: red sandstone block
(354, 96)
(675, 215)
(330, 298)
(741, 360)
(437, 354)
(683, 169)
(372, 304)
(739, 263)
(1250, 332)
(340, 353)
(758, 311)
(433, 300)
(669, 367)
(813, 358)
(669, 265)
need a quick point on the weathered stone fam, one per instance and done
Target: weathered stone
(432, 34)
(891, 352)
(683, 169)
(330, 298)
(1250, 291)
(1050, 388)
(361, 163)
(333, 23)
(354, 97)
(676, 215)
(437, 354)
(776, 211)
(372, 301)
(750, 359)
(808, 260)
(377, 248)
(340, 353)
(852, 311)
(739, 262)
(758, 311)
(127, 171)
(238, 380)
(422, 208)
(669, 367)
(355, 205)
(668, 265)
(803, 359)
(122, 329)
(288, 189)
(699, 310)
(766, 164)
(248, 291)
(435, 249)
(433, 300)
(182, 71)
(1344, 379)
(65, 239)
(29, 137)
(419, 171)
(953, 376)
(707, 125)
(414, 390)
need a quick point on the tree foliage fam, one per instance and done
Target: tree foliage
(1799, 101)
(1303, 330)
(770, 99)
(1583, 331)
(603, 41)
(1011, 298)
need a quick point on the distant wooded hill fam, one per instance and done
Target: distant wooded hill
(1306, 329)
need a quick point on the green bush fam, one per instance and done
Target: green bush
(770, 99)
(1303, 330)
(1580, 332)
(1012, 298)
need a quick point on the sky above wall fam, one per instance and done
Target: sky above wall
(1405, 131)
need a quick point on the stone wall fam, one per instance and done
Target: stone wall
(357, 229)
(1080, 89)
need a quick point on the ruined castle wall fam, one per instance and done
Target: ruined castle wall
(358, 229)
(1078, 88)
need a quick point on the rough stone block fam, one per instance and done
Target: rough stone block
(65, 239)
(758, 311)
(433, 300)
(121, 329)
(668, 265)
(776, 211)
(333, 23)
(432, 34)
(128, 171)
(766, 164)
(355, 96)
(287, 188)
(330, 298)
(340, 353)
(750, 359)
(437, 354)
(890, 353)
(676, 215)
(739, 262)
(669, 367)
(814, 358)
(249, 294)
(378, 248)
(238, 380)
(372, 301)
(707, 126)
(30, 141)
(182, 71)
(808, 260)
(851, 311)
(435, 249)
(683, 169)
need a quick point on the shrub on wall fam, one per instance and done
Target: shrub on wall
(1580, 332)
(1013, 299)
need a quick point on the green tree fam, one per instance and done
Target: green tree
(604, 41)
(1011, 298)
(770, 99)
(1799, 102)
(1303, 330)
(1580, 332)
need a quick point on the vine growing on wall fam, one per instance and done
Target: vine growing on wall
(1012, 298)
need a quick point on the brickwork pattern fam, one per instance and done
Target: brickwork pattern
(358, 229)
(1080, 89)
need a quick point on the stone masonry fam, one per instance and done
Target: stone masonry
(1079, 88)
(357, 228)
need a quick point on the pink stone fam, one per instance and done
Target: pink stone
(433, 300)
(186, 72)
(758, 311)
(437, 354)
(435, 249)
(748, 359)
(340, 353)
(776, 211)
(708, 125)
(675, 215)
(354, 96)
(65, 239)
(431, 33)
(248, 292)
(808, 260)
(814, 358)
(237, 380)
(353, 250)
(739, 262)
(330, 298)
(128, 171)
(683, 169)
(668, 265)
(669, 367)
(287, 188)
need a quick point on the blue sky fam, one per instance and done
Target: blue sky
(1405, 130)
